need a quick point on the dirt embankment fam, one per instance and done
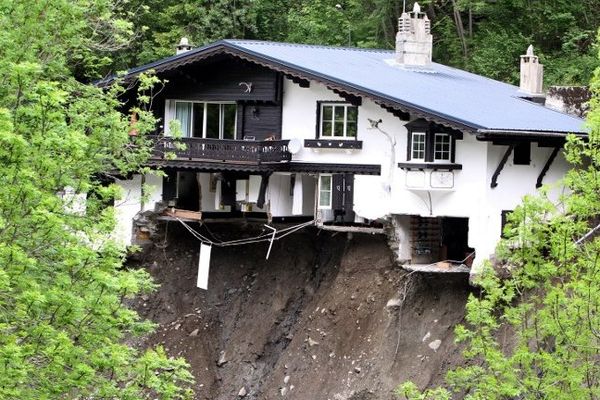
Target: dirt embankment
(326, 317)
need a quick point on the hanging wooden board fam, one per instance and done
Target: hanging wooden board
(203, 266)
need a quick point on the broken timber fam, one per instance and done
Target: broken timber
(356, 229)
(185, 215)
(439, 267)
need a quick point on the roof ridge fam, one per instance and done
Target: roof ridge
(321, 46)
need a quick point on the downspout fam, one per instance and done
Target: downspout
(392, 141)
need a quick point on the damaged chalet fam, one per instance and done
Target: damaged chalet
(354, 139)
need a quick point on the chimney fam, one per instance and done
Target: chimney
(413, 40)
(532, 74)
(183, 46)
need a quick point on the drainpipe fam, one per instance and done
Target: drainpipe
(392, 140)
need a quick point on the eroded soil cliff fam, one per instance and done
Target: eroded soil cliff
(326, 317)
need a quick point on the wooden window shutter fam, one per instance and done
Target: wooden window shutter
(338, 192)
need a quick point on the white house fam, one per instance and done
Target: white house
(355, 139)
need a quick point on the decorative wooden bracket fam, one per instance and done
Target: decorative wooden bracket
(542, 174)
(404, 116)
(350, 98)
(501, 166)
(303, 83)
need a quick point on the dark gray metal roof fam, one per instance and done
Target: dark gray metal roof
(449, 94)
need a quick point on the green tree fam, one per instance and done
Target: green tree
(536, 334)
(63, 322)
(160, 24)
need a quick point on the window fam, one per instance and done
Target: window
(522, 154)
(338, 121)
(206, 120)
(430, 143)
(442, 147)
(503, 221)
(418, 146)
(325, 191)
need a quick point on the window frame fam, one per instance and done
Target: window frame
(221, 105)
(412, 146)
(321, 113)
(320, 205)
(522, 153)
(431, 131)
(435, 143)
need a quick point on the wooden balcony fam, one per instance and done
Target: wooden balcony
(222, 150)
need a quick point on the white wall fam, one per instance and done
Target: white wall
(280, 201)
(299, 121)
(130, 203)
(514, 182)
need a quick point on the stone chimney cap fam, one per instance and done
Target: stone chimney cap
(530, 50)
(416, 8)
(183, 46)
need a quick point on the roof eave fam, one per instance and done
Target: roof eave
(484, 134)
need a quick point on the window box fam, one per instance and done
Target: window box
(333, 144)
(434, 166)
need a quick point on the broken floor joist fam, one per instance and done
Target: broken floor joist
(439, 267)
(356, 229)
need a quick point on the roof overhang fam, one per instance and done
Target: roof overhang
(531, 135)
(291, 71)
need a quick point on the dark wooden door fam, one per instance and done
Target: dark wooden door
(343, 197)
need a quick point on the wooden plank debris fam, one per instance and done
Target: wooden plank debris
(438, 267)
(185, 215)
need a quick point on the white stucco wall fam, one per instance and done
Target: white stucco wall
(131, 203)
(279, 199)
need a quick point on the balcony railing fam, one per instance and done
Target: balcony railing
(223, 150)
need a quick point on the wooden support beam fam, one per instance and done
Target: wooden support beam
(544, 170)
(501, 166)
(264, 183)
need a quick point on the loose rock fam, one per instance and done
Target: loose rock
(435, 344)
(393, 303)
(222, 359)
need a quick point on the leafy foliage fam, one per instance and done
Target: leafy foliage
(486, 37)
(549, 308)
(63, 321)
